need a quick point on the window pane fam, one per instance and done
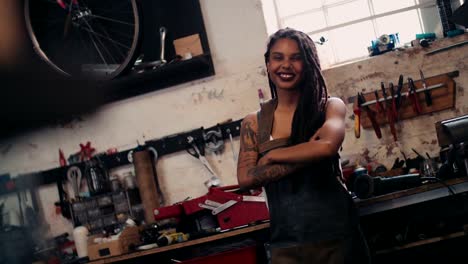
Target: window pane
(307, 22)
(348, 12)
(325, 51)
(291, 7)
(351, 42)
(382, 6)
(406, 24)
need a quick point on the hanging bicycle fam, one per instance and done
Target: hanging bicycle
(92, 38)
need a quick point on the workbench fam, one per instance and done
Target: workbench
(369, 210)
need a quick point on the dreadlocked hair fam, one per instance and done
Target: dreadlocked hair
(313, 99)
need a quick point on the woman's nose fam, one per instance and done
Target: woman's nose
(286, 64)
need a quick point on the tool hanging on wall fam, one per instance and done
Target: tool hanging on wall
(214, 142)
(357, 118)
(234, 155)
(378, 103)
(371, 115)
(399, 98)
(389, 112)
(427, 93)
(74, 178)
(199, 153)
(412, 94)
(394, 107)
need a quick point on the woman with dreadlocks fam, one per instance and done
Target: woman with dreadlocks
(290, 147)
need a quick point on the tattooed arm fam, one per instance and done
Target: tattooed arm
(325, 143)
(249, 174)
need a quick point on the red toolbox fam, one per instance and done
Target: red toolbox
(231, 207)
(242, 209)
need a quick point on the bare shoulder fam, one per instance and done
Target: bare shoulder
(336, 107)
(250, 121)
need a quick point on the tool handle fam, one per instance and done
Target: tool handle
(357, 122)
(378, 104)
(391, 122)
(428, 96)
(416, 103)
(374, 123)
(394, 109)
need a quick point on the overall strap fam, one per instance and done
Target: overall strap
(265, 120)
(265, 125)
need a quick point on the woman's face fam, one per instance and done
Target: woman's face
(285, 64)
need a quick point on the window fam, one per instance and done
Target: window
(350, 25)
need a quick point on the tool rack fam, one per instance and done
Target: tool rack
(442, 88)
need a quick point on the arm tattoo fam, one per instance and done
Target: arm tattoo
(262, 175)
(248, 137)
(248, 158)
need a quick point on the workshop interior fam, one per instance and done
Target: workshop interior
(123, 120)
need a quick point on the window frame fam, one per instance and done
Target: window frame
(418, 5)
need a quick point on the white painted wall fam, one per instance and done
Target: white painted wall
(237, 36)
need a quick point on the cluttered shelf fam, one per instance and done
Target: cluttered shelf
(458, 184)
(189, 243)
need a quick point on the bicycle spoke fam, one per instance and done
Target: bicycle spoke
(85, 53)
(117, 6)
(107, 34)
(112, 11)
(97, 34)
(109, 54)
(127, 36)
(97, 48)
(109, 39)
(113, 20)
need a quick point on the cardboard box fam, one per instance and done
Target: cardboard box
(130, 236)
(190, 44)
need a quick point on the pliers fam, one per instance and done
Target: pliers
(394, 106)
(390, 114)
(370, 114)
(412, 94)
(427, 93)
(380, 108)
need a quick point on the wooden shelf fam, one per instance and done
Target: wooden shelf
(165, 76)
(184, 244)
(422, 242)
(408, 192)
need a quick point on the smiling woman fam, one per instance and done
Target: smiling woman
(290, 147)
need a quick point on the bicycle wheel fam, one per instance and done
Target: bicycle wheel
(91, 38)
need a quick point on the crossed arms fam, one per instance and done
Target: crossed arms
(252, 172)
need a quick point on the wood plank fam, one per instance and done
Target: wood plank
(398, 194)
(423, 242)
(183, 244)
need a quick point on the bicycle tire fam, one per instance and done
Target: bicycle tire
(113, 36)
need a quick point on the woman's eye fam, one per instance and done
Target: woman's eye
(296, 58)
(277, 58)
